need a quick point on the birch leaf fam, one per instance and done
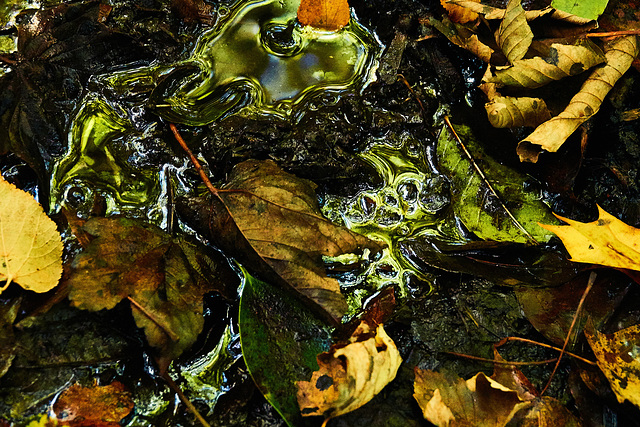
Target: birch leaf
(514, 35)
(30, 245)
(559, 61)
(508, 111)
(617, 357)
(552, 134)
(330, 15)
(351, 375)
(606, 241)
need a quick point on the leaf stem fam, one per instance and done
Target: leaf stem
(193, 159)
(582, 359)
(184, 400)
(502, 362)
(592, 279)
(486, 181)
(172, 335)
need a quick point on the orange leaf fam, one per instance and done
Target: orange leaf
(330, 15)
(459, 14)
(99, 406)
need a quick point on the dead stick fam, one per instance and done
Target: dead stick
(548, 346)
(614, 33)
(592, 279)
(184, 399)
(502, 362)
(486, 181)
(155, 320)
(196, 163)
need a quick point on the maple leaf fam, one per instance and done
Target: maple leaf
(330, 15)
(30, 245)
(98, 406)
(270, 221)
(350, 375)
(606, 241)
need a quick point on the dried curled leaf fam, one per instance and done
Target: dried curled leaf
(559, 61)
(330, 15)
(619, 364)
(606, 241)
(351, 375)
(552, 134)
(508, 111)
(30, 245)
(466, 39)
(514, 35)
(447, 400)
(491, 12)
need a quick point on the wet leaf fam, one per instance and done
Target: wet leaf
(551, 135)
(8, 313)
(328, 15)
(617, 357)
(514, 35)
(589, 9)
(509, 213)
(30, 245)
(555, 63)
(280, 341)
(270, 221)
(459, 14)
(350, 375)
(164, 280)
(98, 406)
(447, 400)
(509, 111)
(466, 39)
(606, 241)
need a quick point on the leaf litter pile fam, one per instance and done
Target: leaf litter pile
(454, 242)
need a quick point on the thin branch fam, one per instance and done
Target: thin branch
(402, 79)
(184, 400)
(486, 181)
(154, 319)
(592, 279)
(196, 163)
(582, 359)
(501, 362)
(615, 33)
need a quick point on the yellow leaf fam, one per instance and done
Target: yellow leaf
(514, 35)
(330, 15)
(508, 111)
(618, 359)
(30, 245)
(351, 375)
(606, 241)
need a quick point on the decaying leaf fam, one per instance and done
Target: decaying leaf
(509, 111)
(330, 15)
(556, 62)
(30, 245)
(466, 39)
(489, 198)
(514, 35)
(163, 278)
(459, 14)
(606, 241)
(98, 406)
(447, 400)
(551, 135)
(350, 375)
(618, 358)
(491, 12)
(8, 314)
(270, 221)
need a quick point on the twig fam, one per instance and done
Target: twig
(592, 279)
(502, 362)
(486, 181)
(507, 339)
(402, 79)
(196, 163)
(155, 320)
(184, 399)
(614, 33)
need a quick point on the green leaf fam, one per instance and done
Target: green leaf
(280, 341)
(588, 9)
(489, 198)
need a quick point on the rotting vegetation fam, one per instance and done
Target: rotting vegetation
(381, 160)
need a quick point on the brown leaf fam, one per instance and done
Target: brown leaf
(514, 35)
(491, 12)
(508, 111)
(98, 406)
(330, 15)
(618, 358)
(551, 135)
(270, 221)
(466, 39)
(447, 400)
(350, 375)
(459, 14)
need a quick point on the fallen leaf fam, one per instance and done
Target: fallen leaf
(30, 245)
(466, 39)
(606, 241)
(270, 221)
(554, 63)
(447, 400)
(617, 357)
(489, 198)
(509, 111)
(163, 278)
(491, 12)
(98, 406)
(551, 135)
(514, 35)
(591, 9)
(350, 375)
(8, 313)
(330, 15)
(459, 14)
